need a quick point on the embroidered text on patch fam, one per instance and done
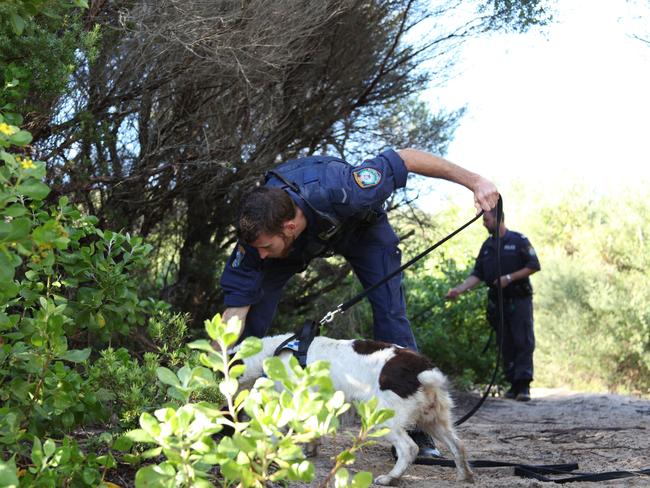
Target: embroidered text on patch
(367, 177)
(239, 256)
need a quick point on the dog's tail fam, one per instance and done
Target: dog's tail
(435, 387)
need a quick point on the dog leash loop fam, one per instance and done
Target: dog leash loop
(329, 316)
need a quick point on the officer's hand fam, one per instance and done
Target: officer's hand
(503, 281)
(453, 294)
(486, 195)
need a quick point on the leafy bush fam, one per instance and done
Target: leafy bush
(63, 282)
(593, 305)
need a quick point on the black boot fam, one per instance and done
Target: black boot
(427, 448)
(511, 394)
(523, 391)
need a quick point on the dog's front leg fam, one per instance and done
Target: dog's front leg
(406, 450)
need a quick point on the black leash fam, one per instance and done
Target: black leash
(538, 472)
(329, 316)
(479, 404)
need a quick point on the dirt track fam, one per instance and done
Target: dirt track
(599, 432)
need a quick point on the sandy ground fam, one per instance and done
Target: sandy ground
(599, 432)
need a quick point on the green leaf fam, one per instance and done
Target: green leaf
(139, 435)
(212, 361)
(345, 457)
(37, 452)
(363, 479)
(229, 387)
(76, 355)
(341, 478)
(151, 453)
(306, 471)
(8, 477)
(201, 345)
(231, 470)
(21, 138)
(167, 376)
(33, 189)
(379, 432)
(275, 369)
(6, 268)
(215, 328)
(123, 443)
(237, 370)
(156, 476)
(15, 210)
(49, 447)
(17, 23)
(249, 347)
(14, 230)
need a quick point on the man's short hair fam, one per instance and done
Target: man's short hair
(264, 210)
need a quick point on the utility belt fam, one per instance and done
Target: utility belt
(518, 289)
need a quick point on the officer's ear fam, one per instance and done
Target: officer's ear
(289, 227)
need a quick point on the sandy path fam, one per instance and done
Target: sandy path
(599, 432)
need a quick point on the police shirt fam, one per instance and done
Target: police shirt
(516, 253)
(330, 185)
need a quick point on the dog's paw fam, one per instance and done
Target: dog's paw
(385, 480)
(467, 478)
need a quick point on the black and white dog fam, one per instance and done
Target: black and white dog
(401, 379)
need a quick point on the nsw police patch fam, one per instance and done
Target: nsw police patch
(239, 256)
(367, 177)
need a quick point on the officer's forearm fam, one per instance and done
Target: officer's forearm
(427, 164)
(486, 194)
(470, 282)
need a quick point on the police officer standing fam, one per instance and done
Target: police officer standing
(518, 262)
(321, 205)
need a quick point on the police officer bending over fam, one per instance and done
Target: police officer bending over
(518, 262)
(321, 205)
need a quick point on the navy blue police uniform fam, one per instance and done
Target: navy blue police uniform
(518, 337)
(343, 205)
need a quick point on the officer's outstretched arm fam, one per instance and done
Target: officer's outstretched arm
(427, 164)
(470, 282)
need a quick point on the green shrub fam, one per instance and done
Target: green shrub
(65, 286)
(265, 448)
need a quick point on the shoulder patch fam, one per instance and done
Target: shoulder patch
(367, 177)
(239, 256)
(531, 251)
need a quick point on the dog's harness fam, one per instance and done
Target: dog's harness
(298, 343)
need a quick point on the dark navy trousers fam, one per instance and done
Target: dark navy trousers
(373, 253)
(518, 336)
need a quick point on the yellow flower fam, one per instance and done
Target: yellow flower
(27, 163)
(7, 129)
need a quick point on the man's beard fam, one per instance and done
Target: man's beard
(288, 245)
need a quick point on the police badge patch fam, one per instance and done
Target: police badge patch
(367, 177)
(239, 256)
